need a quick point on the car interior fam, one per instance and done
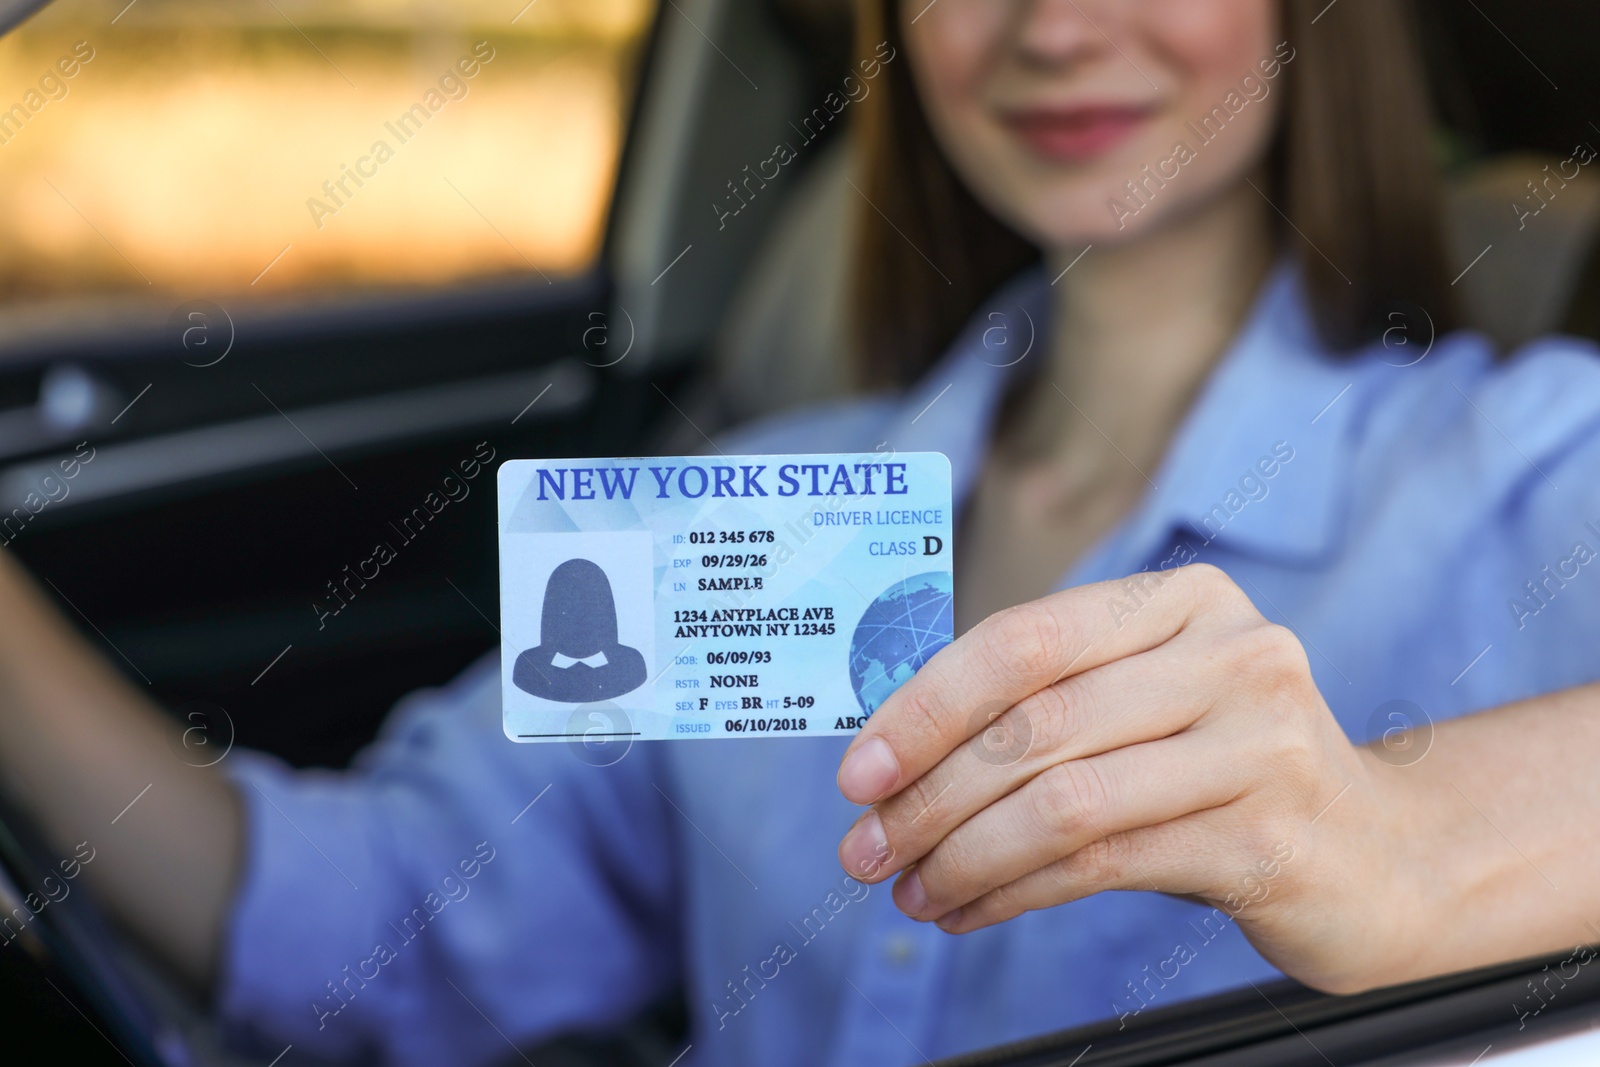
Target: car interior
(238, 473)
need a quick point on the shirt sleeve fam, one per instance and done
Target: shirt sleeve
(1536, 558)
(452, 893)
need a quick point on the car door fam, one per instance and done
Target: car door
(280, 285)
(284, 284)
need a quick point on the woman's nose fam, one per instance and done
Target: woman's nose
(1056, 32)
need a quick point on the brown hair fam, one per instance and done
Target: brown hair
(1351, 165)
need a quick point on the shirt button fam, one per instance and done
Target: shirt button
(900, 950)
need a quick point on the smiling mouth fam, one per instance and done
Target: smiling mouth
(1076, 134)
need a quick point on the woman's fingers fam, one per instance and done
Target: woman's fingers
(1011, 655)
(1072, 807)
(1150, 858)
(1050, 755)
(1141, 698)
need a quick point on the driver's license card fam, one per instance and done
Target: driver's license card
(718, 596)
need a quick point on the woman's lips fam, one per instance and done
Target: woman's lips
(1076, 134)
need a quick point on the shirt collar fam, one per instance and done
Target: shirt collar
(1277, 386)
(1278, 391)
(563, 661)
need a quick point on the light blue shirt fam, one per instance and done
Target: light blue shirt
(1428, 531)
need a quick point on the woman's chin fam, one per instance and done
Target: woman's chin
(1068, 222)
(1072, 231)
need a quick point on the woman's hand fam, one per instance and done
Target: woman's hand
(1076, 744)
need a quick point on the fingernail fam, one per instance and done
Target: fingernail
(948, 921)
(864, 847)
(869, 772)
(910, 896)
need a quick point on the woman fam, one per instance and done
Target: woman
(1231, 197)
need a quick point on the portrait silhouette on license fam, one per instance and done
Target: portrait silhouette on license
(578, 658)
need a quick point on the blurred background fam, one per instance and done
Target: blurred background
(181, 158)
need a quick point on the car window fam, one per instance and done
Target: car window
(289, 148)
